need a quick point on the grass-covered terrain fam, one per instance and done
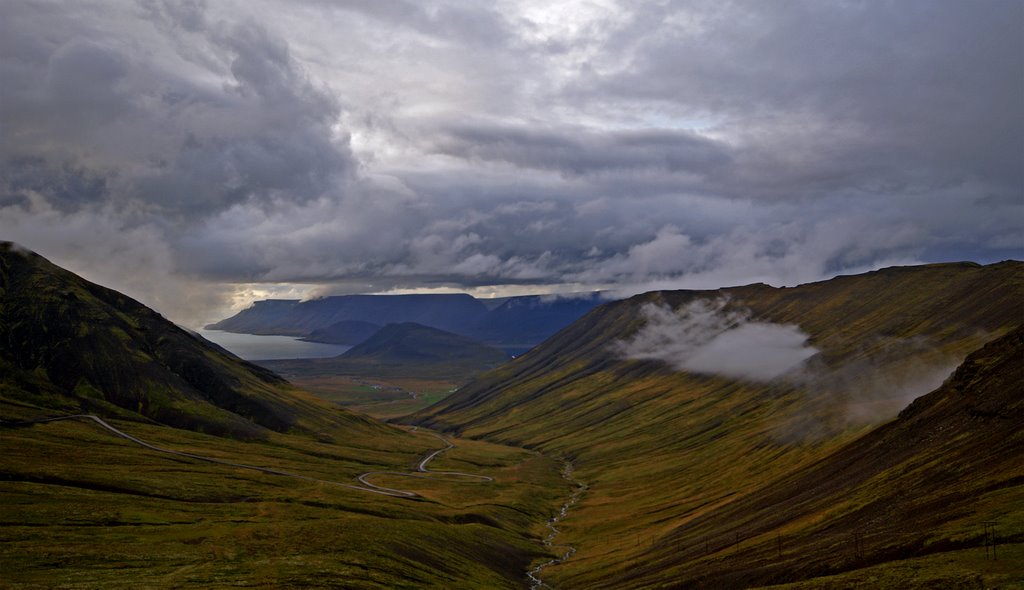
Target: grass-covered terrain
(402, 369)
(70, 345)
(688, 478)
(922, 485)
(380, 397)
(84, 509)
(81, 507)
(667, 453)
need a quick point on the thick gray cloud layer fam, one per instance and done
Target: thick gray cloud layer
(195, 154)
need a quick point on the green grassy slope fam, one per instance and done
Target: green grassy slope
(921, 485)
(83, 508)
(71, 345)
(660, 447)
(80, 508)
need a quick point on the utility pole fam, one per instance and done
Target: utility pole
(990, 537)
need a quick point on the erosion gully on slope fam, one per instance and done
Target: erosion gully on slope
(534, 574)
(366, 487)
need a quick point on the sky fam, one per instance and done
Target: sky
(200, 155)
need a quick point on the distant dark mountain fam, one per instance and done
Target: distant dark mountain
(406, 349)
(455, 312)
(513, 323)
(494, 302)
(345, 332)
(70, 345)
(257, 318)
(416, 343)
(522, 322)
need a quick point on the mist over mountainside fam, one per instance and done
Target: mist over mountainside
(71, 345)
(516, 323)
(927, 314)
(663, 425)
(916, 487)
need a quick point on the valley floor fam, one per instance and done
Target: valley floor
(83, 508)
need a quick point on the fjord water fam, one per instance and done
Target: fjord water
(255, 347)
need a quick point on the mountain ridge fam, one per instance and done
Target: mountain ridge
(67, 343)
(517, 323)
(659, 446)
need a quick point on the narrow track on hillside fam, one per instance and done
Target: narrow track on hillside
(366, 487)
(534, 574)
(424, 473)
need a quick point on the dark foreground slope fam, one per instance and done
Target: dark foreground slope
(919, 486)
(71, 345)
(660, 447)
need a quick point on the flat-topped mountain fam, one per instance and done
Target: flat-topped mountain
(72, 345)
(514, 323)
(454, 312)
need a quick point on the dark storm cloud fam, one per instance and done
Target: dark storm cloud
(168, 147)
(865, 95)
(582, 152)
(166, 139)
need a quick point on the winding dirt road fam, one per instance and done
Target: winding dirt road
(422, 469)
(366, 487)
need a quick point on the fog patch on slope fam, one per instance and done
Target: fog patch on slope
(702, 337)
(868, 386)
(879, 380)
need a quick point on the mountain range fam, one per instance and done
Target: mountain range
(513, 323)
